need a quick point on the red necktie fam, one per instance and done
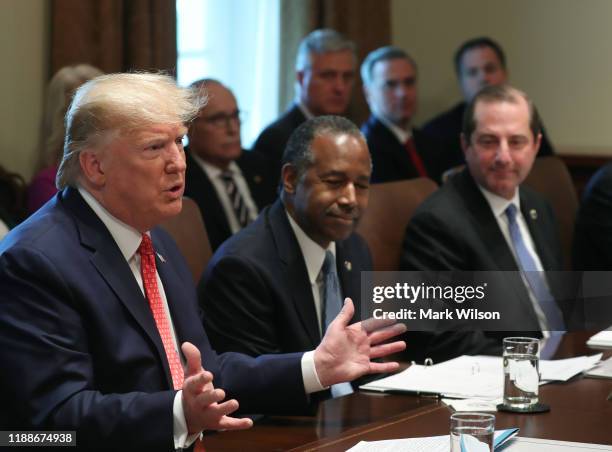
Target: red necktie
(149, 281)
(417, 161)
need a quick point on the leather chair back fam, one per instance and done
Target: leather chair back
(384, 222)
(550, 177)
(188, 231)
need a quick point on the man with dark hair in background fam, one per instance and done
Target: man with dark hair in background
(478, 62)
(399, 150)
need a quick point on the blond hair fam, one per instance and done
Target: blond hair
(118, 104)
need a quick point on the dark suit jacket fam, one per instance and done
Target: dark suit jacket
(593, 233)
(261, 182)
(456, 230)
(272, 141)
(446, 129)
(390, 159)
(256, 294)
(79, 348)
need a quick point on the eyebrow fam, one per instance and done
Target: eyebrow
(335, 173)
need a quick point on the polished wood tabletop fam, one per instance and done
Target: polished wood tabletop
(579, 412)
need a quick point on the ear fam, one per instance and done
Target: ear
(289, 178)
(538, 142)
(92, 168)
(299, 77)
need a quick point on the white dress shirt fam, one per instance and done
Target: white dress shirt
(214, 174)
(304, 109)
(498, 206)
(314, 255)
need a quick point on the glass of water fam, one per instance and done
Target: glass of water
(521, 372)
(472, 432)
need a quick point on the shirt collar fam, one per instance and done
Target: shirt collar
(498, 204)
(313, 253)
(401, 134)
(304, 109)
(127, 238)
(213, 171)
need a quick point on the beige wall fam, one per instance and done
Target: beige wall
(558, 51)
(23, 36)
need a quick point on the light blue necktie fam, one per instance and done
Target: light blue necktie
(332, 303)
(534, 277)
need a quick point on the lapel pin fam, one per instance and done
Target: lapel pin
(257, 179)
(161, 258)
(533, 214)
(348, 265)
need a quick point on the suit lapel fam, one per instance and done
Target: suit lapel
(485, 222)
(200, 188)
(394, 148)
(532, 217)
(255, 178)
(114, 269)
(350, 280)
(295, 269)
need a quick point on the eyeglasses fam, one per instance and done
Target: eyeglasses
(221, 120)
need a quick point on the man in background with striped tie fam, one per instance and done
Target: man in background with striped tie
(230, 185)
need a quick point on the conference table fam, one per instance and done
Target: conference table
(580, 411)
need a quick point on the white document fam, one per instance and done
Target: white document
(473, 404)
(602, 370)
(463, 377)
(428, 444)
(603, 339)
(472, 377)
(442, 444)
(564, 369)
(520, 444)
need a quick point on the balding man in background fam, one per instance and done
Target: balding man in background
(229, 184)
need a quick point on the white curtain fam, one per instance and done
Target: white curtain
(236, 42)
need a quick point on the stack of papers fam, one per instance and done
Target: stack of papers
(429, 444)
(603, 370)
(472, 377)
(442, 444)
(603, 339)
(564, 369)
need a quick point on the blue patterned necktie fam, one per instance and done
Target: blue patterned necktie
(534, 277)
(332, 303)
